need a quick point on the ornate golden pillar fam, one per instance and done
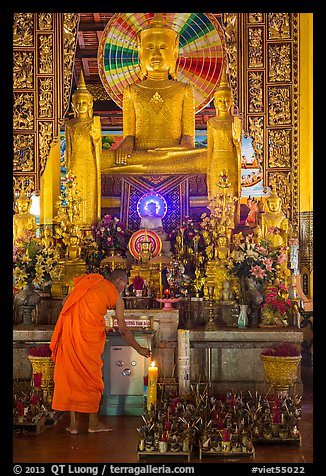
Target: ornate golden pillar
(306, 151)
(43, 54)
(50, 185)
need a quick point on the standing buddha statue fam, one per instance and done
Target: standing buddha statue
(158, 113)
(274, 224)
(83, 152)
(224, 144)
(23, 219)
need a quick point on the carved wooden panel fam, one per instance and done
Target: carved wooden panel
(262, 52)
(43, 51)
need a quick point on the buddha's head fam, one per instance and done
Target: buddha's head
(223, 100)
(82, 100)
(152, 209)
(158, 48)
(274, 202)
(73, 240)
(23, 202)
(222, 240)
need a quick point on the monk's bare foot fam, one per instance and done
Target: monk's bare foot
(72, 430)
(99, 427)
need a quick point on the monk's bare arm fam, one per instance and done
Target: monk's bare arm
(125, 332)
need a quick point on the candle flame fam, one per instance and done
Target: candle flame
(153, 363)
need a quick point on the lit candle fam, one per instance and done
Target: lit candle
(152, 385)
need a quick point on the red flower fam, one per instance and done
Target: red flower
(282, 350)
(138, 282)
(37, 378)
(20, 408)
(40, 351)
(34, 400)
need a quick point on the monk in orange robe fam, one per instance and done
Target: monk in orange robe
(78, 342)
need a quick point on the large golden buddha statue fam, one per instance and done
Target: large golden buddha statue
(158, 113)
(273, 222)
(23, 218)
(224, 144)
(83, 152)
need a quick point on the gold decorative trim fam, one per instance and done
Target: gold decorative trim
(70, 30)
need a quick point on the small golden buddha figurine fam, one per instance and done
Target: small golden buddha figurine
(23, 219)
(257, 235)
(73, 251)
(217, 268)
(274, 224)
(222, 250)
(224, 144)
(47, 241)
(83, 152)
(145, 250)
(158, 113)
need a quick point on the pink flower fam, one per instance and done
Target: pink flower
(269, 264)
(257, 271)
(281, 258)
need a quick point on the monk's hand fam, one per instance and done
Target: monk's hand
(144, 351)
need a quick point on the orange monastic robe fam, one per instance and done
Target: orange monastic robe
(78, 342)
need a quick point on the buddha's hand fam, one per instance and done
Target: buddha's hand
(187, 142)
(124, 151)
(95, 132)
(236, 129)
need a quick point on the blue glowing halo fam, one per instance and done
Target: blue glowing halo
(160, 202)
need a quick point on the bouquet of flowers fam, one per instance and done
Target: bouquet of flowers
(276, 306)
(110, 234)
(138, 283)
(258, 262)
(33, 263)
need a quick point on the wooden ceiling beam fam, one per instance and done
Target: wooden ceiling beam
(86, 53)
(94, 26)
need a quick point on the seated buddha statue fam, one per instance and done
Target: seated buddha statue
(222, 250)
(224, 144)
(73, 251)
(47, 240)
(152, 221)
(23, 219)
(83, 151)
(145, 250)
(158, 113)
(273, 222)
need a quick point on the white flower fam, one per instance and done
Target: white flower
(238, 256)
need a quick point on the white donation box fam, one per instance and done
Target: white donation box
(124, 371)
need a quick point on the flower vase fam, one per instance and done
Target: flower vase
(26, 300)
(256, 297)
(243, 316)
(139, 292)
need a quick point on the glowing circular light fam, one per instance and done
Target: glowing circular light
(200, 52)
(145, 200)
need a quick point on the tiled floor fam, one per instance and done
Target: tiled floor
(54, 444)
